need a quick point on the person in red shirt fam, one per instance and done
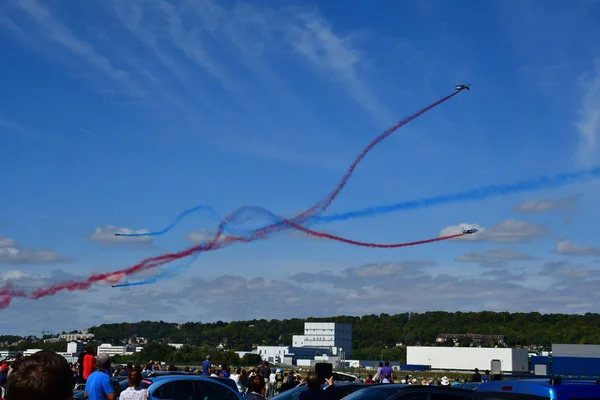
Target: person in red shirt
(369, 379)
(89, 363)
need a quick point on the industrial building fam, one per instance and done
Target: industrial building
(322, 341)
(106, 348)
(581, 360)
(326, 335)
(468, 358)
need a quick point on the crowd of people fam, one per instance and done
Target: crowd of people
(47, 375)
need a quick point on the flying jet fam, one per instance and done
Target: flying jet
(469, 231)
(460, 88)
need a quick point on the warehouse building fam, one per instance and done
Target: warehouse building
(497, 360)
(576, 359)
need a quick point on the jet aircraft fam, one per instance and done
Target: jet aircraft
(460, 88)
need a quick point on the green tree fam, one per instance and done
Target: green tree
(251, 359)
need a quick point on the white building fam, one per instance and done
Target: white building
(75, 347)
(111, 350)
(330, 335)
(75, 337)
(468, 358)
(273, 354)
(6, 354)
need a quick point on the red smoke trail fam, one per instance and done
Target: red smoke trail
(7, 293)
(326, 202)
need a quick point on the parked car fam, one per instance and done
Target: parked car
(397, 391)
(336, 392)
(539, 389)
(190, 387)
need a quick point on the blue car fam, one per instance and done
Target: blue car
(190, 387)
(539, 389)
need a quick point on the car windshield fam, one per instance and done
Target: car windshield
(292, 394)
(143, 385)
(373, 393)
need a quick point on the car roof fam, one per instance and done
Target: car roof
(547, 387)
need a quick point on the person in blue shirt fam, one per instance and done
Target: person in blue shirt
(206, 366)
(99, 385)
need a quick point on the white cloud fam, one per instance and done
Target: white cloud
(108, 236)
(390, 287)
(570, 248)
(566, 272)
(509, 231)
(204, 235)
(54, 31)
(334, 55)
(494, 257)
(588, 125)
(12, 252)
(545, 205)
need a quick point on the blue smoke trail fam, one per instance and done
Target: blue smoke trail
(540, 183)
(545, 182)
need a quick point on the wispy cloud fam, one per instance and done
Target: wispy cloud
(334, 55)
(55, 31)
(494, 257)
(588, 125)
(107, 236)
(545, 205)
(508, 231)
(12, 252)
(570, 248)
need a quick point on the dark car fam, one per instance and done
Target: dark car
(192, 386)
(467, 385)
(539, 389)
(336, 392)
(227, 381)
(394, 391)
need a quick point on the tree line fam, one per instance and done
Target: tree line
(370, 333)
(373, 336)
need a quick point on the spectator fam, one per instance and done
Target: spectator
(369, 379)
(314, 391)
(476, 376)
(265, 372)
(134, 391)
(272, 383)
(125, 371)
(42, 376)
(486, 377)
(99, 385)
(206, 366)
(258, 387)
(17, 358)
(89, 363)
(386, 373)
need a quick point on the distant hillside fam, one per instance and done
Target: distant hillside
(370, 333)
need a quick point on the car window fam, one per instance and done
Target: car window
(213, 391)
(413, 395)
(292, 394)
(374, 393)
(176, 390)
(339, 392)
(452, 394)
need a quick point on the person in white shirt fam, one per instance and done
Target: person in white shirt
(134, 391)
(236, 378)
(272, 383)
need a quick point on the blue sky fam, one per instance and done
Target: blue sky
(122, 114)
